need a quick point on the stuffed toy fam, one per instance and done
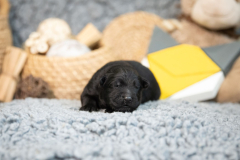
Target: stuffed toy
(55, 30)
(33, 87)
(213, 14)
(49, 31)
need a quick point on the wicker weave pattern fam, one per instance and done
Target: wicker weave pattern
(5, 38)
(67, 77)
(130, 34)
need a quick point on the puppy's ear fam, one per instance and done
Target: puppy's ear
(145, 83)
(103, 80)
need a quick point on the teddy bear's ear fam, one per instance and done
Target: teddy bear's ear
(145, 83)
(103, 80)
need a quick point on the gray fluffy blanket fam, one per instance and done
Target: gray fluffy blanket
(55, 129)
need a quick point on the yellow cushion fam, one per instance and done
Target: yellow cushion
(178, 67)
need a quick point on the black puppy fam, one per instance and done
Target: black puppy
(120, 86)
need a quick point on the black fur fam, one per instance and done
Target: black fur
(120, 86)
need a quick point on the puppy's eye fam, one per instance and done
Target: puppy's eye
(118, 84)
(136, 84)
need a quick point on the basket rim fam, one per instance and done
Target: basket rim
(102, 48)
(129, 14)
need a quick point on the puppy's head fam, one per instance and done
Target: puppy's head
(121, 89)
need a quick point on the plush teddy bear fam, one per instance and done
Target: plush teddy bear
(213, 14)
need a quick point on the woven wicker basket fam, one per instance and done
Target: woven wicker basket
(67, 77)
(5, 32)
(130, 34)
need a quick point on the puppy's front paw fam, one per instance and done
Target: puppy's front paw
(89, 108)
(109, 110)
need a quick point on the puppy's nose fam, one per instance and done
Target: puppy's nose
(127, 99)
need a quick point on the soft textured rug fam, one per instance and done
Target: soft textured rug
(55, 129)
